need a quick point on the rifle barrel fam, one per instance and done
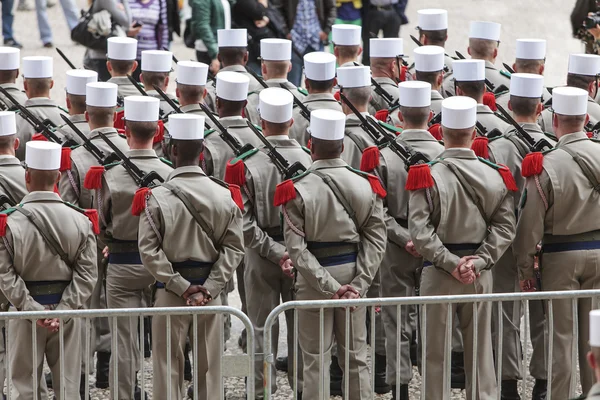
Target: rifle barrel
(137, 85)
(166, 98)
(87, 143)
(64, 57)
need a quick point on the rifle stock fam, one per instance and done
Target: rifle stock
(531, 143)
(227, 137)
(258, 78)
(137, 85)
(166, 98)
(89, 146)
(304, 111)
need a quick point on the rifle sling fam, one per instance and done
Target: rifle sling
(585, 168)
(5, 188)
(338, 195)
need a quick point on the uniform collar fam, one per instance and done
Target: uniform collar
(108, 131)
(40, 101)
(33, 197)
(353, 118)
(385, 80)
(236, 121)
(120, 80)
(77, 118)
(191, 169)
(276, 81)
(6, 159)
(483, 109)
(10, 86)
(319, 96)
(416, 135)
(464, 153)
(329, 163)
(489, 65)
(531, 127)
(276, 138)
(234, 118)
(234, 68)
(571, 138)
(190, 107)
(435, 95)
(141, 153)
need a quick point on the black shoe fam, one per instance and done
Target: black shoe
(48, 45)
(137, 395)
(242, 341)
(403, 392)
(457, 372)
(281, 364)
(13, 43)
(82, 386)
(102, 365)
(381, 387)
(187, 366)
(147, 337)
(336, 376)
(299, 396)
(49, 380)
(540, 389)
(510, 390)
(414, 350)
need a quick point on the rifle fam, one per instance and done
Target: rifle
(437, 118)
(231, 141)
(38, 126)
(175, 60)
(489, 85)
(64, 57)
(137, 85)
(166, 98)
(258, 78)
(141, 178)
(89, 146)
(4, 199)
(287, 170)
(540, 145)
(508, 68)
(364, 122)
(304, 111)
(383, 93)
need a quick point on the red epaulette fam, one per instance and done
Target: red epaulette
(160, 133)
(490, 100)
(436, 131)
(480, 147)
(65, 159)
(120, 120)
(139, 201)
(236, 196)
(376, 186)
(370, 159)
(403, 73)
(533, 164)
(3, 223)
(284, 192)
(419, 177)
(235, 172)
(382, 115)
(93, 217)
(508, 178)
(590, 134)
(336, 96)
(93, 178)
(39, 137)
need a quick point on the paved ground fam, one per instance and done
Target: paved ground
(547, 19)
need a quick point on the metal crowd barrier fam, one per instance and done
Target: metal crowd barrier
(423, 302)
(241, 365)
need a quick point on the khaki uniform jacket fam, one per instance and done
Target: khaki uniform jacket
(320, 217)
(211, 86)
(252, 112)
(79, 121)
(489, 120)
(114, 199)
(43, 108)
(377, 102)
(174, 235)
(25, 256)
(261, 217)
(569, 206)
(217, 152)
(165, 108)
(356, 140)
(497, 78)
(12, 179)
(315, 101)
(71, 182)
(393, 174)
(594, 393)
(453, 218)
(196, 110)
(15, 92)
(503, 98)
(504, 151)
(125, 87)
(593, 111)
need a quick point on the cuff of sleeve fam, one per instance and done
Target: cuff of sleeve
(480, 265)
(178, 285)
(332, 289)
(213, 288)
(451, 264)
(59, 306)
(526, 272)
(276, 254)
(33, 305)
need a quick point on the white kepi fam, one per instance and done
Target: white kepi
(77, 79)
(354, 77)
(386, 48)
(595, 328)
(37, 67)
(485, 30)
(530, 49)
(327, 124)
(8, 123)
(232, 37)
(569, 101)
(186, 126)
(429, 58)
(414, 94)
(42, 155)
(346, 35)
(101, 94)
(157, 60)
(141, 108)
(275, 105)
(527, 85)
(319, 66)
(232, 86)
(432, 19)
(276, 49)
(459, 112)
(584, 64)
(121, 48)
(10, 58)
(192, 73)
(468, 70)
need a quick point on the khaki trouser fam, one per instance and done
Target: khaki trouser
(374, 292)
(437, 282)
(506, 280)
(334, 326)
(570, 270)
(398, 279)
(21, 359)
(126, 287)
(207, 370)
(267, 287)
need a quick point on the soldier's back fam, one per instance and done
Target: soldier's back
(44, 109)
(312, 102)
(12, 179)
(15, 92)
(124, 86)
(65, 131)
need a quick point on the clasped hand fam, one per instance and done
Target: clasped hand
(465, 270)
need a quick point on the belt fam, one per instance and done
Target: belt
(580, 241)
(123, 246)
(196, 272)
(275, 233)
(459, 249)
(125, 258)
(386, 8)
(333, 253)
(47, 292)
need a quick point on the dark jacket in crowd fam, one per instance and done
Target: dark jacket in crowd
(326, 11)
(243, 15)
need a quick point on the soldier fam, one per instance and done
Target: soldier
(560, 208)
(346, 44)
(77, 79)
(193, 271)
(319, 79)
(530, 59)
(233, 56)
(191, 87)
(37, 80)
(484, 38)
(276, 56)
(582, 74)
(47, 259)
(10, 58)
(469, 80)
(387, 70)
(459, 248)
(258, 175)
(126, 278)
(322, 240)
(156, 67)
(121, 61)
(593, 356)
(399, 269)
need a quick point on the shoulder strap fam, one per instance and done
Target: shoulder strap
(4, 186)
(523, 151)
(48, 237)
(585, 168)
(338, 195)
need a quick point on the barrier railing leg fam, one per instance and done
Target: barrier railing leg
(550, 347)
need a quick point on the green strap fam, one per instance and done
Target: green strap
(339, 195)
(585, 168)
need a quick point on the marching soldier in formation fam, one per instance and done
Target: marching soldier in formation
(121, 61)
(191, 87)
(47, 262)
(346, 44)
(484, 39)
(560, 207)
(387, 69)
(327, 213)
(319, 79)
(193, 271)
(258, 176)
(276, 56)
(156, 67)
(457, 261)
(10, 59)
(127, 281)
(77, 79)
(582, 74)
(37, 80)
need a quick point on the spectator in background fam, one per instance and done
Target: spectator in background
(310, 22)
(7, 24)
(71, 11)
(348, 12)
(382, 15)
(121, 15)
(208, 16)
(150, 16)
